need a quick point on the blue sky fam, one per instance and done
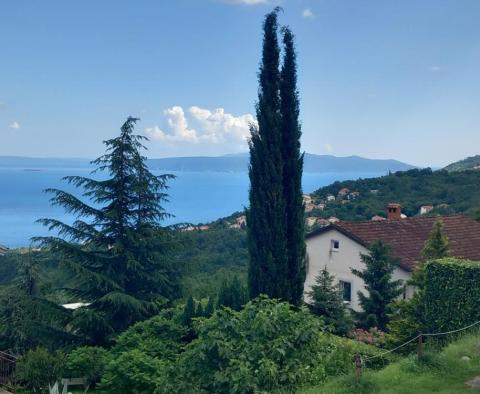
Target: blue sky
(378, 78)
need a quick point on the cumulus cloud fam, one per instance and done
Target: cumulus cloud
(178, 129)
(14, 125)
(308, 13)
(201, 125)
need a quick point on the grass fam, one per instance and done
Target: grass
(442, 372)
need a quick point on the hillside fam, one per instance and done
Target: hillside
(448, 193)
(226, 163)
(450, 371)
(470, 163)
(313, 163)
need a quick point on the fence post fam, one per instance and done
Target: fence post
(420, 345)
(358, 366)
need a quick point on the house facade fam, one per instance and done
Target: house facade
(3, 250)
(339, 247)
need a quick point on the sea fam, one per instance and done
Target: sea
(195, 197)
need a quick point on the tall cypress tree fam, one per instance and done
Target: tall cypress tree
(292, 170)
(268, 266)
(276, 216)
(116, 249)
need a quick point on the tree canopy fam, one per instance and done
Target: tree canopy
(116, 250)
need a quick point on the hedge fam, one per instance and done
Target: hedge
(452, 294)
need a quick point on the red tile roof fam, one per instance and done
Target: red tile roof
(407, 237)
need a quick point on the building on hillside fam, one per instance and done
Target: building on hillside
(307, 199)
(3, 250)
(333, 219)
(310, 221)
(424, 209)
(240, 222)
(343, 192)
(330, 197)
(323, 222)
(338, 247)
(353, 195)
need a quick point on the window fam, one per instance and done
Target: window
(346, 289)
(335, 245)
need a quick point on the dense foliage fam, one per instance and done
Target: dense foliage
(275, 217)
(470, 163)
(292, 171)
(326, 300)
(407, 317)
(437, 245)
(262, 348)
(208, 258)
(88, 362)
(381, 289)
(412, 189)
(29, 319)
(452, 294)
(232, 294)
(117, 256)
(38, 368)
(267, 272)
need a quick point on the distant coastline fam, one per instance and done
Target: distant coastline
(233, 163)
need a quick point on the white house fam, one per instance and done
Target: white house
(339, 246)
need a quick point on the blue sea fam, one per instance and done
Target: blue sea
(195, 197)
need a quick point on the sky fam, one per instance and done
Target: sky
(377, 78)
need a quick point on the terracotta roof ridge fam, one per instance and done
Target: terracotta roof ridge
(423, 217)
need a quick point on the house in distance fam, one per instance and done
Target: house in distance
(339, 245)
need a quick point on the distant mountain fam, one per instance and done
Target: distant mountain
(227, 163)
(313, 163)
(470, 163)
(38, 162)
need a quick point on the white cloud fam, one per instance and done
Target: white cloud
(219, 127)
(209, 126)
(177, 127)
(14, 125)
(328, 148)
(435, 68)
(308, 13)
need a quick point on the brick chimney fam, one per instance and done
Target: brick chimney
(394, 212)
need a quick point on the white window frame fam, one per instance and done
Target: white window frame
(351, 290)
(332, 245)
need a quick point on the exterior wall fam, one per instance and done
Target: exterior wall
(340, 262)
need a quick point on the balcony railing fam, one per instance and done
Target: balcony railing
(8, 364)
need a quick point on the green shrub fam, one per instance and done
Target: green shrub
(87, 362)
(340, 359)
(38, 368)
(144, 353)
(452, 294)
(266, 347)
(160, 336)
(133, 371)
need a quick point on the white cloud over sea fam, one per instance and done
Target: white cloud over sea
(196, 126)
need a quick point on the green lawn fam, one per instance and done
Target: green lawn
(444, 372)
